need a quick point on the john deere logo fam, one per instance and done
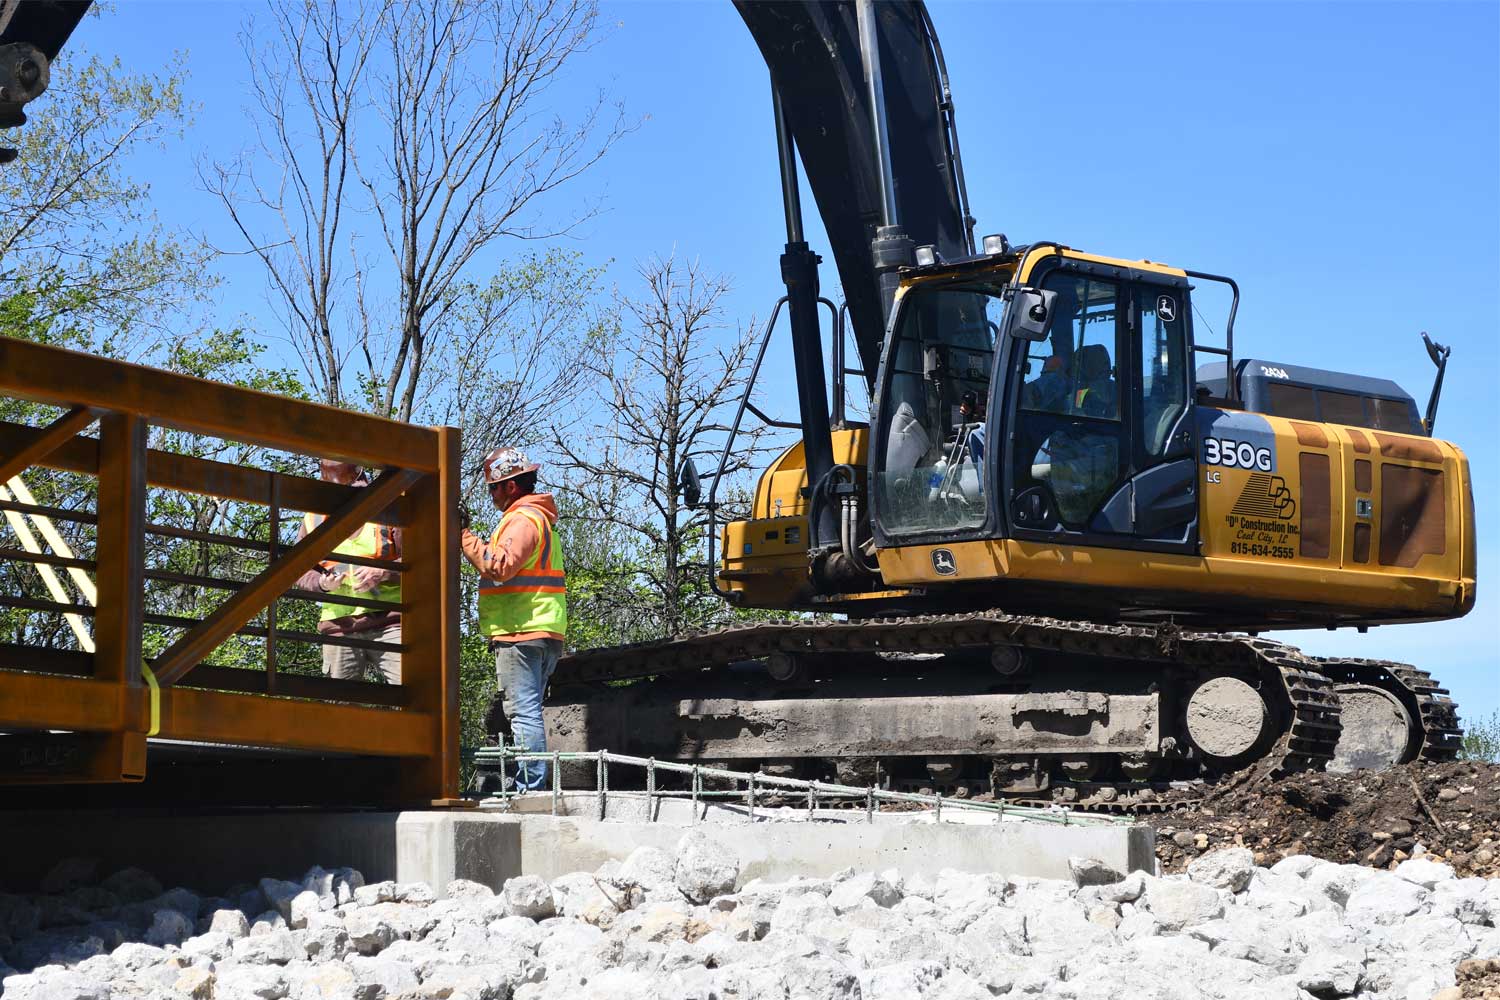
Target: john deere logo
(942, 562)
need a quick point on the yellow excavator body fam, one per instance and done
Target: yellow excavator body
(1307, 524)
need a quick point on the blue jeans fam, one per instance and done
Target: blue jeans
(521, 671)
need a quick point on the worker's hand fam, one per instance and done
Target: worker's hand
(367, 578)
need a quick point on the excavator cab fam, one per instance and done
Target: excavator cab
(1084, 436)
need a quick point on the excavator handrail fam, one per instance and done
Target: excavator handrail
(712, 503)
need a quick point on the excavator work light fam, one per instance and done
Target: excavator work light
(926, 256)
(995, 244)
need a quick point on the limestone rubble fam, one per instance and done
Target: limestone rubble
(683, 926)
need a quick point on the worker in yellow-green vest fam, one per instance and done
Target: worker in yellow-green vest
(523, 604)
(358, 640)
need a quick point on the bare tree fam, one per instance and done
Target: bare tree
(513, 352)
(430, 117)
(308, 77)
(664, 391)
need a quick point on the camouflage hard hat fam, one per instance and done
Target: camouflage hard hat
(506, 463)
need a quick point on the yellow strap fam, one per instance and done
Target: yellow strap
(85, 585)
(155, 699)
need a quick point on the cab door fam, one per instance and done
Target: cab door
(1101, 447)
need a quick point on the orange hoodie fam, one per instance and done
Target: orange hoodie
(513, 544)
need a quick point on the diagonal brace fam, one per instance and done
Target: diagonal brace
(47, 440)
(191, 647)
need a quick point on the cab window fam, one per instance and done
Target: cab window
(933, 415)
(1069, 436)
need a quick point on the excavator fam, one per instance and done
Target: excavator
(1043, 564)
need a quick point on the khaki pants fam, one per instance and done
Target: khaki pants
(346, 663)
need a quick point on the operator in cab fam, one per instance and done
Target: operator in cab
(523, 606)
(349, 621)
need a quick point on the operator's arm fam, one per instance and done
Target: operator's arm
(505, 554)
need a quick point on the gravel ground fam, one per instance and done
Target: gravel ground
(681, 926)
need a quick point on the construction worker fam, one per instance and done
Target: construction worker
(523, 606)
(332, 576)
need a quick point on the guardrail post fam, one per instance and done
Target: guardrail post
(120, 580)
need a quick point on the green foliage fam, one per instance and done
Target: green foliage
(77, 230)
(1482, 739)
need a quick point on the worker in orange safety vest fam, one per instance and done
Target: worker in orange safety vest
(523, 606)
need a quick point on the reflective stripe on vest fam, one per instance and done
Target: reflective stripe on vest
(373, 541)
(534, 600)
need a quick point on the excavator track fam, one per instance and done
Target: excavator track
(1431, 714)
(1300, 699)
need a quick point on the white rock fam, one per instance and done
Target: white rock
(327, 981)
(215, 945)
(1176, 905)
(462, 888)
(382, 977)
(652, 869)
(1127, 890)
(1329, 973)
(276, 948)
(1337, 882)
(280, 893)
(705, 867)
(325, 938)
(305, 904)
(369, 930)
(528, 896)
(851, 892)
(197, 983)
(230, 922)
(1091, 871)
(133, 955)
(374, 892)
(345, 882)
(1297, 865)
(1423, 872)
(251, 982)
(415, 892)
(1385, 899)
(1226, 868)
(168, 927)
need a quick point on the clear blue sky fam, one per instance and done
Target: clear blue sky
(1341, 161)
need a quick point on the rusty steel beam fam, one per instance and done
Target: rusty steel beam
(120, 559)
(36, 701)
(429, 623)
(71, 378)
(271, 582)
(198, 475)
(47, 440)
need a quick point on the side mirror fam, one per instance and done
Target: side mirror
(1031, 313)
(688, 483)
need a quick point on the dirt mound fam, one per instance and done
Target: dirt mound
(1371, 818)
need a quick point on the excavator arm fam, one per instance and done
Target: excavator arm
(818, 70)
(32, 33)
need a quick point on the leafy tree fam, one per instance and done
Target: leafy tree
(665, 385)
(83, 259)
(1482, 739)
